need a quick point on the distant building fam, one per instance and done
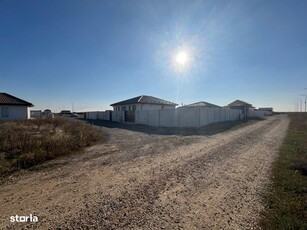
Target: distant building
(36, 113)
(48, 114)
(269, 109)
(65, 112)
(13, 108)
(47, 111)
(242, 105)
(143, 103)
(201, 104)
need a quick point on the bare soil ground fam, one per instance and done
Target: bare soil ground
(145, 180)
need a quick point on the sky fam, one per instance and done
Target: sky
(86, 55)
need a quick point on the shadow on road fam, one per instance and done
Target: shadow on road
(210, 129)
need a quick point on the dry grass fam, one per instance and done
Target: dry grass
(287, 199)
(26, 143)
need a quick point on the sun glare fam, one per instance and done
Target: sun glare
(181, 58)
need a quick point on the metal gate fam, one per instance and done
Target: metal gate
(129, 116)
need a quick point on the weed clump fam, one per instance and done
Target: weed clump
(29, 142)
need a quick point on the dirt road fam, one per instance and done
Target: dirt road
(137, 180)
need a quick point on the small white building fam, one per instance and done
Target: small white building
(36, 113)
(245, 107)
(13, 108)
(269, 109)
(143, 103)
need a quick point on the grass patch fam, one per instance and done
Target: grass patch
(287, 199)
(26, 143)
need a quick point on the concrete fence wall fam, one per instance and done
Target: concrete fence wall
(258, 113)
(186, 117)
(98, 115)
(180, 117)
(118, 116)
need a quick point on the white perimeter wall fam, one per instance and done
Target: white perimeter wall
(98, 115)
(16, 113)
(144, 107)
(258, 113)
(186, 117)
(180, 117)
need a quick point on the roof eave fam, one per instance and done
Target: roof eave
(117, 104)
(9, 104)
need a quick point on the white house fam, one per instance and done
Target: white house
(143, 103)
(247, 109)
(242, 105)
(125, 111)
(13, 108)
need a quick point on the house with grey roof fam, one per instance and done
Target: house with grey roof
(201, 104)
(242, 105)
(125, 111)
(13, 108)
(239, 103)
(143, 102)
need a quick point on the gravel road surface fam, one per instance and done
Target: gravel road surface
(143, 180)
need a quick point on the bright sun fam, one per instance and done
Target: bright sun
(181, 58)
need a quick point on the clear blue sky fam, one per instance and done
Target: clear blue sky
(94, 53)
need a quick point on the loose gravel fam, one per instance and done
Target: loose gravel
(139, 180)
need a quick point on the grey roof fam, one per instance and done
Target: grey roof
(202, 104)
(144, 100)
(7, 99)
(239, 103)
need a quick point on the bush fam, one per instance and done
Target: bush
(30, 142)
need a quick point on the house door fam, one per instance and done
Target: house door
(129, 116)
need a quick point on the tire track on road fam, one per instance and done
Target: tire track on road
(164, 201)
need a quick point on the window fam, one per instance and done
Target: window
(129, 108)
(123, 108)
(162, 106)
(134, 107)
(5, 111)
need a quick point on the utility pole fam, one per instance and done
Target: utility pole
(304, 95)
(300, 104)
(72, 107)
(296, 106)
